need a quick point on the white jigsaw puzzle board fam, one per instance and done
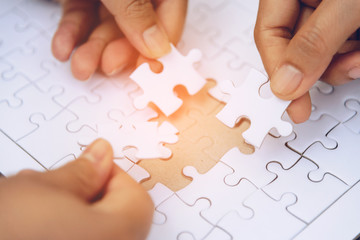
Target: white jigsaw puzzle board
(290, 187)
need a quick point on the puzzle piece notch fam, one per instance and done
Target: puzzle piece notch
(312, 197)
(159, 87)
(211, 185)
(342, 161)
(264, 114)
(354, 122)
(270, 217)
(8, 89)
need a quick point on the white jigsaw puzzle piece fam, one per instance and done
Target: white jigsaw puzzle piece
(343, 161)
(13, 159)
(253, 166)
(354, 122)
(264, 113)
(146, 137)
(159, 193)
(334, 104)
(211, 185)
(313, 131)
(59, 142)
(269, 221)
(312, 197)
(181, 218)
(159, 87)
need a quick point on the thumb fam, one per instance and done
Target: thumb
(86, 176)
(140, 24)
(311, 50)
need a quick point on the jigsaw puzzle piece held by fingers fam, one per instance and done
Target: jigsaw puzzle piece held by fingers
(342, 162)
(159, 87)
(264, 113)
(269, 215)
(354, 122)
(312, 197)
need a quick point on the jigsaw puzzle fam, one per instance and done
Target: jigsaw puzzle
(213, 184)
(245, 101)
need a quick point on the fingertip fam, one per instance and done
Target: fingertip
(118, 55)
(156, 41)
(299, 109)
(86, 59)
(62, 44)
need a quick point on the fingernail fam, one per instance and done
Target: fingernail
(354, 73)
(156, 41)
(96, 151)
(116, 70)
(286, 80)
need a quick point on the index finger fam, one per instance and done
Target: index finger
(275, 23)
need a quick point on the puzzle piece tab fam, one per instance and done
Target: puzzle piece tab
(159, 87)
(264, 113)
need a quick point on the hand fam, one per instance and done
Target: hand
(301, 41)
(89, 198)
(112, 34)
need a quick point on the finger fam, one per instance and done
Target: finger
(273, 30)
(138, 21)
(299, 109)
(344, 68)
(77, 20)
(311, 50)
(117, 56)
(126, 199)
(86, 176)
(87, 57)
(171, 14)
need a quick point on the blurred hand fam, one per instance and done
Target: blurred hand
(112, 34)
(89, 198)
(301, 41)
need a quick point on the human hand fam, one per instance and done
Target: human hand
(89, 198)
(112, 34)
(301, 41)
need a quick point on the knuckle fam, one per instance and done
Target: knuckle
(137, 8)
(311, 43)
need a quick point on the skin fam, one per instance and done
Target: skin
(89, 198)
(112, 35)
(301, 41)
